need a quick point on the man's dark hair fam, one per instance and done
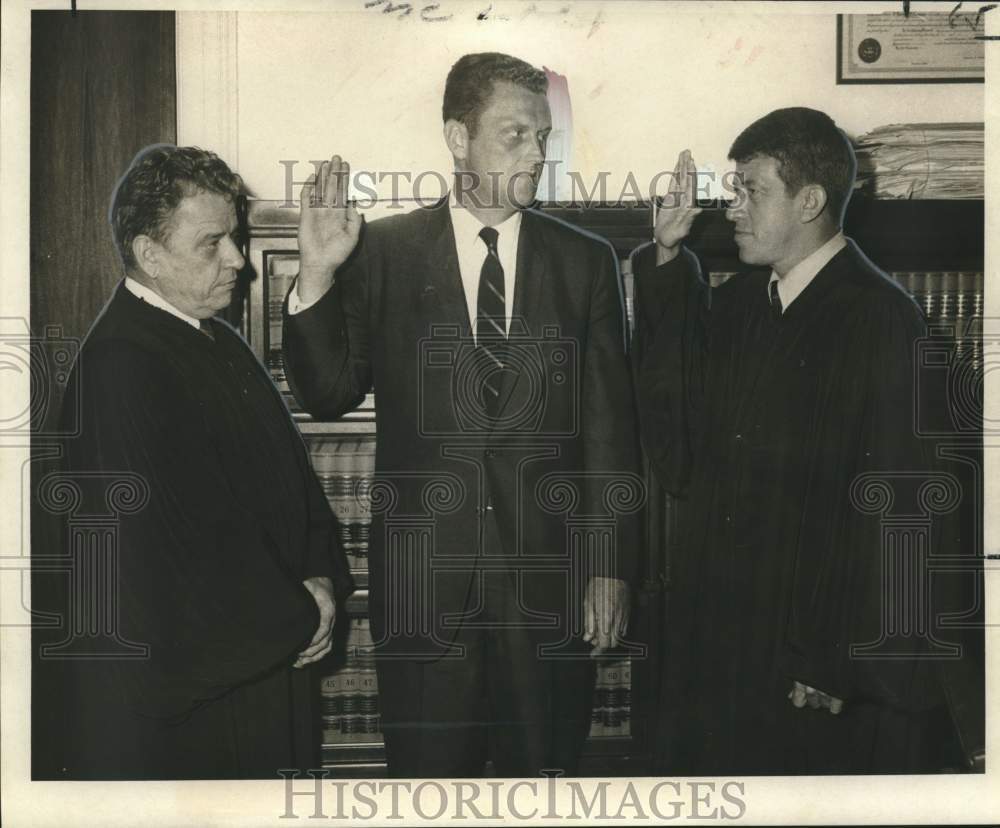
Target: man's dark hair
(809, 149)
(154, 184)
(470, 84)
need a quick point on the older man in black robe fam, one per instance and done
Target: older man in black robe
(775, 403)
(228, 575)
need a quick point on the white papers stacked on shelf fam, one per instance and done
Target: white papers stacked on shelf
(922, 161)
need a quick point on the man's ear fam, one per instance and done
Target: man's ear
(813, 200)
(146, 252)
(456, 136)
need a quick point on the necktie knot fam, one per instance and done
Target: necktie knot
(489, 235)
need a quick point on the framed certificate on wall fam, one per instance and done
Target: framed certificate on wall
(921, 47)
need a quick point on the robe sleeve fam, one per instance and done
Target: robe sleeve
(325, 557)
(199, 580)
(859, 615)
(670, 357)
(327, 349)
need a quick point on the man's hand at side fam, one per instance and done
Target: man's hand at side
(605, 613)
(321, 590)
(678, 210)
(329, 227)
(802, 695)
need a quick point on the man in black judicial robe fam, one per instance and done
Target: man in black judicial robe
(525, 476)
(763, 401)
(227, 567)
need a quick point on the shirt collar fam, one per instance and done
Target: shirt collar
(798, 278)
(467, 226)
(151, 297)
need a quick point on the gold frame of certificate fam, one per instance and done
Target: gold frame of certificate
(919, 47)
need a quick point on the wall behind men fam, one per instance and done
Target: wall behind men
(89, 117)
(646, 80)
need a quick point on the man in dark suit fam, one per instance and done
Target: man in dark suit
(221, 582)
(505, 531)
(781, 406)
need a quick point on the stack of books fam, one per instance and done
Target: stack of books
(281, 272)
(612, 710)
(345, 467)
(922, 161)
(950, 299)
(349, 696)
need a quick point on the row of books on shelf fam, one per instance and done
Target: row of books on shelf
(281, 271)
(345, 467)
(945, 295)
(349, 697)
(611, 714)
(952, 304)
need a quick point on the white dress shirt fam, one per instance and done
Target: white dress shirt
(472, 252)
(798, 278)
(151, 297)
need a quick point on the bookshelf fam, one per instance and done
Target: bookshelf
(934, 249)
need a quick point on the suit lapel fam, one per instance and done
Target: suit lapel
(442, 296)
(530, 273)
(527, 291)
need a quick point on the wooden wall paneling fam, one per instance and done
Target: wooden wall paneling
(102, 88)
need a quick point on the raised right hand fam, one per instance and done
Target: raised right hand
(678, 210)
(329, 227)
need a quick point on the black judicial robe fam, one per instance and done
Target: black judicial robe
(210, 568)
(763, 425)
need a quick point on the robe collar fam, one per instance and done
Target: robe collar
(151, 297)
(798, 278)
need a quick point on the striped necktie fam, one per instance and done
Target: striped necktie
(776, 307)
(491, 321)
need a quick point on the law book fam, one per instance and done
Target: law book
(359, 473)
(612, 707)
(281, 272)
(345, 468)
(349, 697)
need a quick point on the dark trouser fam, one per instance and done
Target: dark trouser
(501, 700)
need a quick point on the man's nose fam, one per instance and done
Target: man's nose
(537, 153)
(734, 209)
(234, 258)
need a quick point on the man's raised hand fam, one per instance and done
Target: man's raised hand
(678, 210)
(329, 226)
